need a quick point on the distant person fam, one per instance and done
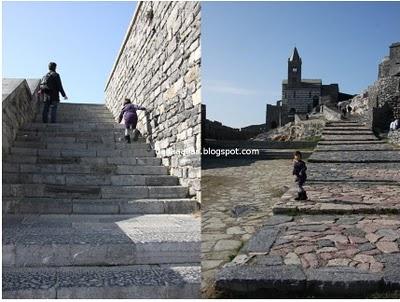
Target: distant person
(349, 109)
(299, 170)
(50, 88)
(395, 124)
(128, 113)
(344, 111)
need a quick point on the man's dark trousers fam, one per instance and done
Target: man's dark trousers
(47, 105)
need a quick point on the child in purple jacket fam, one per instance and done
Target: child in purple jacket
(128, 113)
(299, 170)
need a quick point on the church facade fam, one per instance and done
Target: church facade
(299, 96)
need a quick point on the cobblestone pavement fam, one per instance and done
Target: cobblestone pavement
(248, 188)
(328, 253)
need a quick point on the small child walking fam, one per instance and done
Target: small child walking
(128, 113)
(299, 169)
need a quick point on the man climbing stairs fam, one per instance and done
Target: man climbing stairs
(88, 216)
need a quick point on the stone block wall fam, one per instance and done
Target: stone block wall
(158, 67)
(20, 103)
(394, 136)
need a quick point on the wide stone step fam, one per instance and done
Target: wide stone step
(354, 172)
(114, 282)
(90, 192)
(355, 157)
(78, 126)
(93, 169)
(17, 159)
(100, 240)
(360, 147)
(63, 136)
(101, 152)
(32, 205)
(318, 256)
(349, 142)
(79, 107)
(79, 119)
(342, 198)
(78, 144)
(368, 137)
(89, 179)
(347, 132)
(342, 128)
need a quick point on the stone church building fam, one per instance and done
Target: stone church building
(300, 96)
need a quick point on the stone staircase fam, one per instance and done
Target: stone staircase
(342, 242)
(88, 216)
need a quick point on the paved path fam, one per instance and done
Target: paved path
(348, 247)
(251, 186)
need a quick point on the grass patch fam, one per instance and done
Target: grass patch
(314, 139)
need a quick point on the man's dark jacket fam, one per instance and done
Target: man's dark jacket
(55, 86)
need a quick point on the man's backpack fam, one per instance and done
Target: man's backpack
(45, 83)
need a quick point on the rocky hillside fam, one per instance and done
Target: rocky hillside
(295, 131)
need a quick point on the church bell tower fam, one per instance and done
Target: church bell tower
(294, 69)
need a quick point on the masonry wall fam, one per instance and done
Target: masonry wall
(302, 101)
(158, 67)
(20, 104)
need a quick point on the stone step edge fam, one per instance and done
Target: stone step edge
(108, 169)
(353, 181)
(55, 254)
(292, 281)
(103, 206)
(311, 160)
(358, 150)
(358, 142)
(14, 159)
(141, 281)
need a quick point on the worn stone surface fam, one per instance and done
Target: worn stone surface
(164, 76)
(349, 246)
(248, 187)
(173, 281)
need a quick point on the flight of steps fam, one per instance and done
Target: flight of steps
(87, 216)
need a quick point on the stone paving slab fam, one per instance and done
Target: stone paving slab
(321, 255)
(57, 240)
(363, 172)
(144, 281)
(355, 157)
(342, 198)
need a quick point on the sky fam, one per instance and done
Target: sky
(245, 48)
(83, 38)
